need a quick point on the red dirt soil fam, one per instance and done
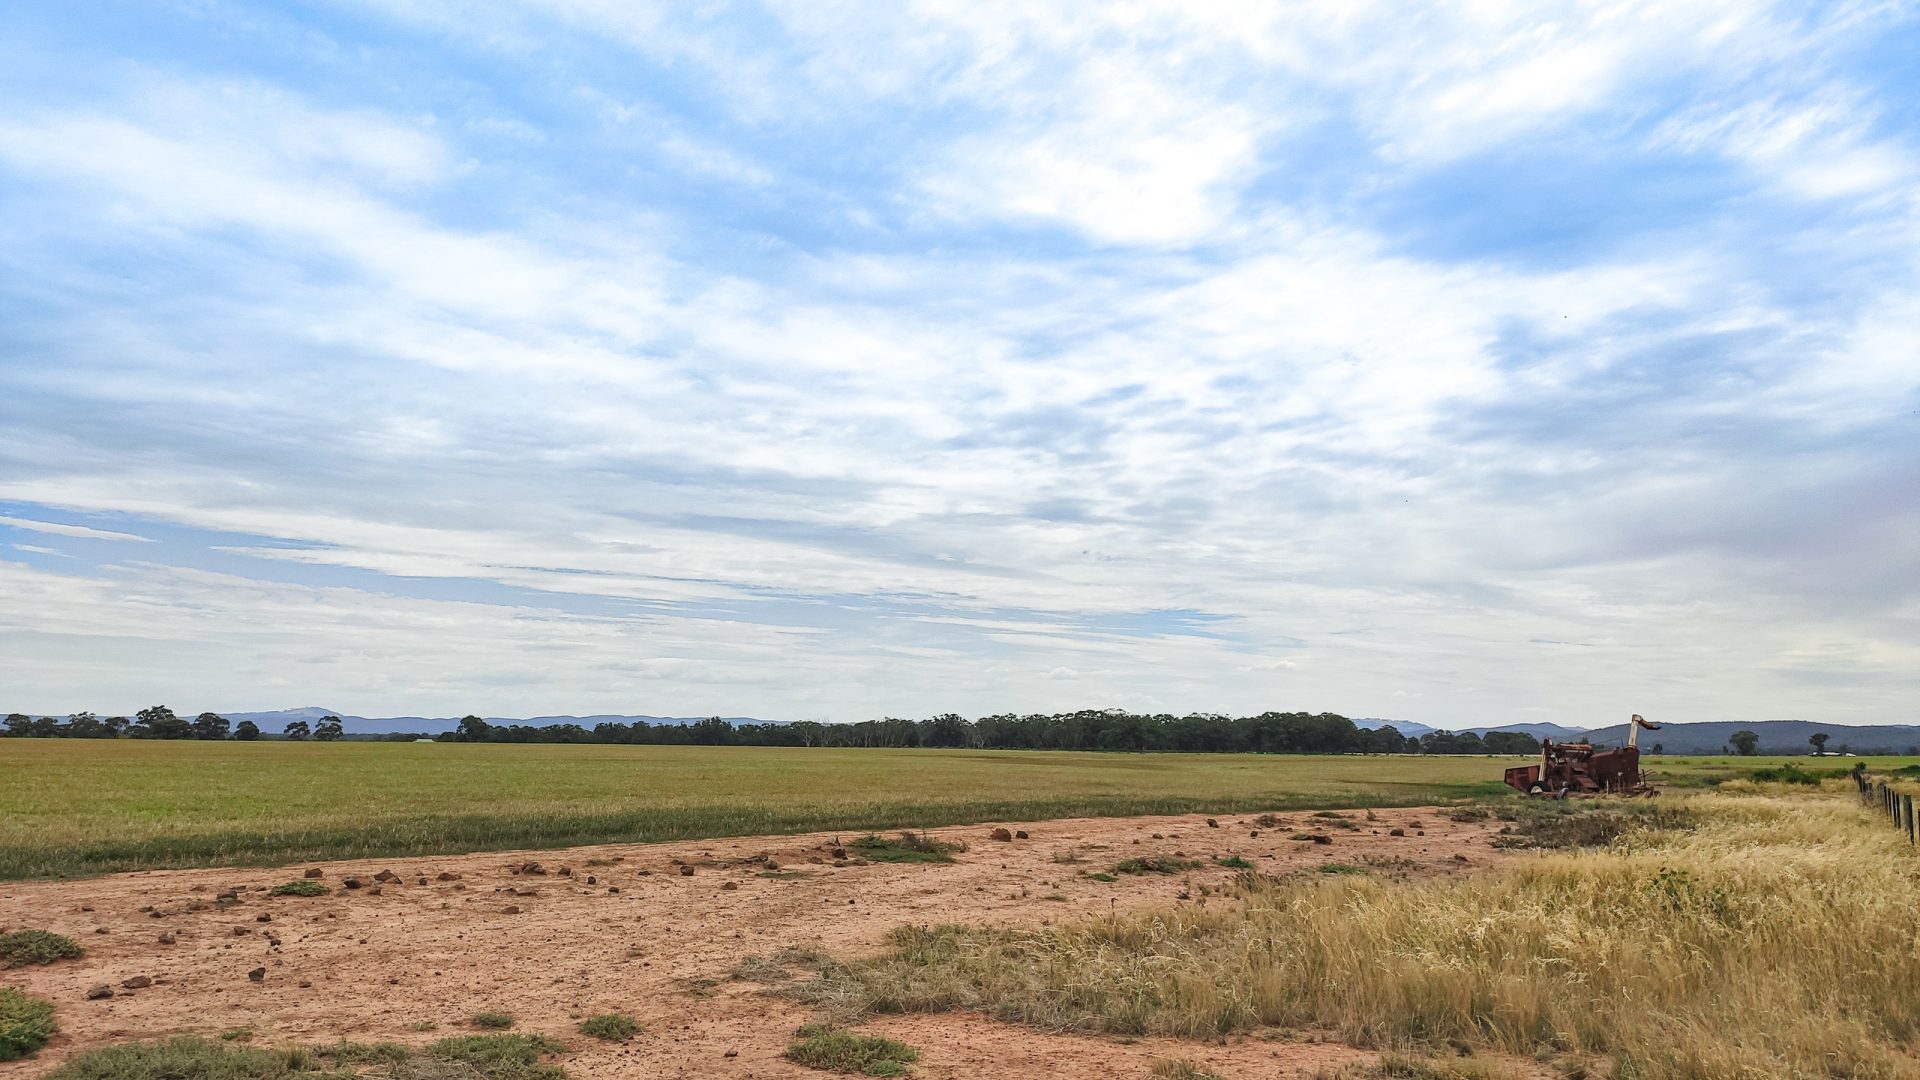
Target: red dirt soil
(628, 932)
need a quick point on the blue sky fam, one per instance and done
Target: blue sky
(1501, 362)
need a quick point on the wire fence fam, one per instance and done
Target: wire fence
(1897, 807)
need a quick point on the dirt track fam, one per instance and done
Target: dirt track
(641, 938)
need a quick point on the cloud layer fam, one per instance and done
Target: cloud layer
(1512, 363)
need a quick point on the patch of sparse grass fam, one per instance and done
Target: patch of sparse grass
(784, 875)
(18, 948)
(470, 1057)
(1268, 821)
(1402, 1067)
(1340, 868)
(613, 1027)
(1155, 864)
(300, 887)
(497, 1021)
(1180, 1069)
(908, 847)
(1102, 876)
(424, 1025)
(239, 1034)
(822, 1046)
(26, 1023)
(1558, 825)
(1701, 951)
(1234, 862)
(1067, 856)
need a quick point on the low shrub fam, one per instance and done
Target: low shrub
(26, 1023)
(19, 948)
(613, 1027)
(1154, 864)
(498, 1021)
(302, 887)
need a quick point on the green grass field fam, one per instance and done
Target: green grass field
(75, 807)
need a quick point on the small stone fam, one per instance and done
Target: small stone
(448, 875)
(263, 917)
(99, 929)
(839, 853)
(686, 871)
(1019, 834)
(313, 873)
(375, 891)
(731, 1053)
(531, 868)
(420, 881)
(242, 931)
(258, 974)
(1212, 824)
(1001, 835)
(138, 982)
(510, 909)
(613, 889)
(566, 871)
(387, 877)
(305, 984)
(166, 937)
(591, 880)
(730, 886)
(352, 883)
(1396, 832)
(99, 993)
(1459, 858)
(1322, 838)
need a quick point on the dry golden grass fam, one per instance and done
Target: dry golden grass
(1778, 937)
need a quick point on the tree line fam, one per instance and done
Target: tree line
(1089, 729)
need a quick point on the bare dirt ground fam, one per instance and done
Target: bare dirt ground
(619, 927)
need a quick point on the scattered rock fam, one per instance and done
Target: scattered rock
(420, 881)
(1321, 838)
(1212, 824)
(352, 883)
(166, 937)
(1459, 858)
(1396, 832)
(375, 891)
(839, 853)
(100, 992)
(566, 871)
(591, 880)
(99, 929)
(730, 886)
(242, 931)
(305, 984)
(686, 870)
(1019, 834)
(258, 974)
(531, 868)
(613, 889)
(448, 875)
(510, 909)
(1002, 835)
(731, 1053)
(387, 877)
(313, 873)
(138, 982)
(263, 917)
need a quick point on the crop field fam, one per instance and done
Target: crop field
(72, 807)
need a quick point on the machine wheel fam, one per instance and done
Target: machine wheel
(1537, 790)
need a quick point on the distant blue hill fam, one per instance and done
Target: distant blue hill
(273, 721)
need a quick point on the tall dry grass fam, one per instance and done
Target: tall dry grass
(1780, 937)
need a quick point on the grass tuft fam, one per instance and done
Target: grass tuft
(302, 887)
(26, 1023)
(472, 1057)
(1234, 862)
(497, 1021)
(821, 1046)
(1154, 864)
(909, 847)
(18, 948)
(1180, 1069)
(613, 1027)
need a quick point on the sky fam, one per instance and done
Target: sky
(1484, 363)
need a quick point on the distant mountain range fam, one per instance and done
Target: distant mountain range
(272, 722)
(1776, 736)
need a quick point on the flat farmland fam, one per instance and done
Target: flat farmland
(80, 807)
(73, 807)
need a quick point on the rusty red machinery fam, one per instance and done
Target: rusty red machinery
(1580, 768)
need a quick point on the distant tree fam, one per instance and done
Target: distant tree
(809, 733)
(712, 731)
(158, 722)
(297, 730)
(1819, 741)
(116, 726)
(1658, 748)
(246, 731)
(328, 729)
(209, 726)
(1510, 742)
(947, 729)
(19, 725)
(84, 725)
(474, 729)
(45, 727)
(1745, 743)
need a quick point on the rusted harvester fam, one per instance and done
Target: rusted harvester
(1580, 769)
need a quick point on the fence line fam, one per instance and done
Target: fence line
(1898, 807)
